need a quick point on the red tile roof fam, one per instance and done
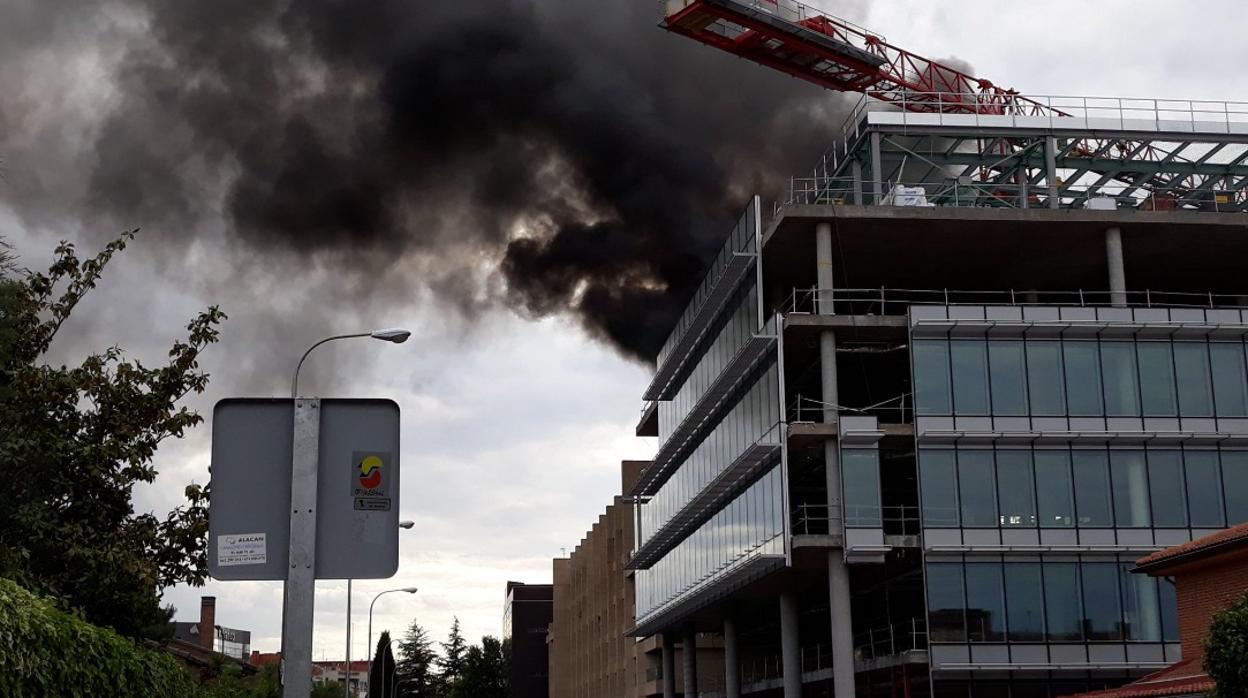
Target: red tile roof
(1232, 537)
(1183, 679)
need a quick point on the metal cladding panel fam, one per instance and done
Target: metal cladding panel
(357, 512)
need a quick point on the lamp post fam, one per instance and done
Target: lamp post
(301, 581)
(409, 590)
(405, 525)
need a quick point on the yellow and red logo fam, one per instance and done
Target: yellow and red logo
(370, 472)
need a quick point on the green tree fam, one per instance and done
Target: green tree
(416, 675)
(453, 650)
(1226, 651)
(485, 672)
(381, 675)
(327, 689)
(74, 442)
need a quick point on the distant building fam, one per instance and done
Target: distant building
(1210, 574)
(526, 619)
(199, 645)
(325, 672)
(590, 653)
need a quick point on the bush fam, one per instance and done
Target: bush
(47, 652)
(1226, 651)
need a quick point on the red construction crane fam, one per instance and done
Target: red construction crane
(839, 55)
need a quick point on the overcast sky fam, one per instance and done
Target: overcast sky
(513, 427)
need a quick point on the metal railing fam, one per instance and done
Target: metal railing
(897, 410)
(892, 301)
(892, 640)
(899, 520)
(965, 192)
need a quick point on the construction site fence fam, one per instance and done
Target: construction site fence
(891, 301)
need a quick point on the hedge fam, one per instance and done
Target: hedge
(45, 651)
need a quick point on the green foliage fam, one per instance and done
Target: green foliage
(329, 689)
(74, 442)
(47, 652)
(416, 674)
(382, 675)
(1226, 651)
(485, 673)
(453, 651)
(230, 683)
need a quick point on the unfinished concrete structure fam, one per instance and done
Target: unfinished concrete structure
(923, 415)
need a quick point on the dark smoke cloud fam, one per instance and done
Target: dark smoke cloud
(594, 162)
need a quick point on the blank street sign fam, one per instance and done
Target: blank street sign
(357, 519)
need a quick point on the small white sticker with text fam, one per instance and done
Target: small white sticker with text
(241, 549)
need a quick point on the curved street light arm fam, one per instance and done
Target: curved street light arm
(294, 384)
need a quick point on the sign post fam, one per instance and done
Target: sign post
(299, 594)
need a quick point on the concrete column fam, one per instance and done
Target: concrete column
(877, 169)
(669, 665)
(790, 646)
(1117, 270)
(825, 303)
(1050, 172)
(732, 659)
(690, 656)
(856, 168)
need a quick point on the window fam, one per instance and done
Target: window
(1083, 379)
(1191, 361)
(860, 471)
(1122, 394)
(985, 603)
(1044, 379)
(1230, 382)
(931, 377)
(1130, 489)
(1061, 596)
(938, 470)
(1054, 496)
(1235, 484)
(1015, 487)
(1157, 379)
(1140, 606)
(976, 488)
(1102, 610)
(945, 602)
(1169, 609)
(1092, 490)
(1024, 602)
(1165, 478)
(969, 359)
(1204, 489)
(1008, 378)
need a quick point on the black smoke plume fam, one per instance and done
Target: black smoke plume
(589, 161)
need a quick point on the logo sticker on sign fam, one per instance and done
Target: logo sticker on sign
(244, 549)
(370, 480)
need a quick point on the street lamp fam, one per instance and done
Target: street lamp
(403, 525)
(408, 590)
(395, 336)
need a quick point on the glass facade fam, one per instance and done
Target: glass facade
(1022, 487)
(1063, 600)
(754, 418)
(860, 473)
(736, 327)
(751, 526)
(1081, 378)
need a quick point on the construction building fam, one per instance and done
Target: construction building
(926, 412)
(527, 614)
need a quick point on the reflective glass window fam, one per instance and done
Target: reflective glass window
(1165, 480)
(1169, 609)
(1118, 368)
(931, 377)
(1083, 378)
(1092, 489)
(1235, 486)
(1061, 594)
(976, 487)
(1157, 379)
(1101, 608)
(1191, 362)
(1044, 379)
(1025, 604)
(945, 602)
(1141, 606)
(1204, 489)
(1230, 382)
(860, 471)
(969, 359)
(1054, 493)
(1016, 489)
(1008, 377)
(985, 603)
(939, 480)
(1131, 494)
